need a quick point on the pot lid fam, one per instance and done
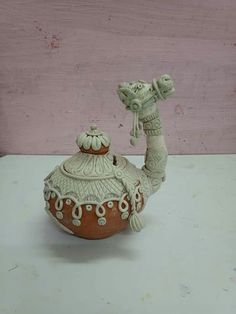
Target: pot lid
(94, 141)
(94, 160)
(92, 166)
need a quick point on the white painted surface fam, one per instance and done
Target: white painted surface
(184, 261)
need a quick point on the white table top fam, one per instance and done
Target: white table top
(184, 261)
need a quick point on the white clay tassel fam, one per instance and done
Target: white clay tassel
(135, 130)
(135, 221)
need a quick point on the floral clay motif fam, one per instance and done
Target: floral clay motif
(95, 194)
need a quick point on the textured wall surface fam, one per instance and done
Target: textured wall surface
(61, 61)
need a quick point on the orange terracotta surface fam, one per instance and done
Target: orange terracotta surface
(102, 151)
(89, 228)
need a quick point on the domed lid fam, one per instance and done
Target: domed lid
(94, 141)
(94, 160)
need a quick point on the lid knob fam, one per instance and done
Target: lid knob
(93, 141)
(93, 127)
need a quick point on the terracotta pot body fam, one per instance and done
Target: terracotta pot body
(89, 227)
(94, 193)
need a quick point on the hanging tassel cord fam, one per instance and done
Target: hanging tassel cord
(134, 219)
(136, 130)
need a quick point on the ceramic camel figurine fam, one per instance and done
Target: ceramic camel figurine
(96, 193)
(140, 97)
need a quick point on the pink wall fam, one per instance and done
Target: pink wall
(61, 61)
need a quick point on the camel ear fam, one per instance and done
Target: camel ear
(135, 105)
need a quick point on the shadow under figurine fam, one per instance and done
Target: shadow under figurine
(95, 193)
